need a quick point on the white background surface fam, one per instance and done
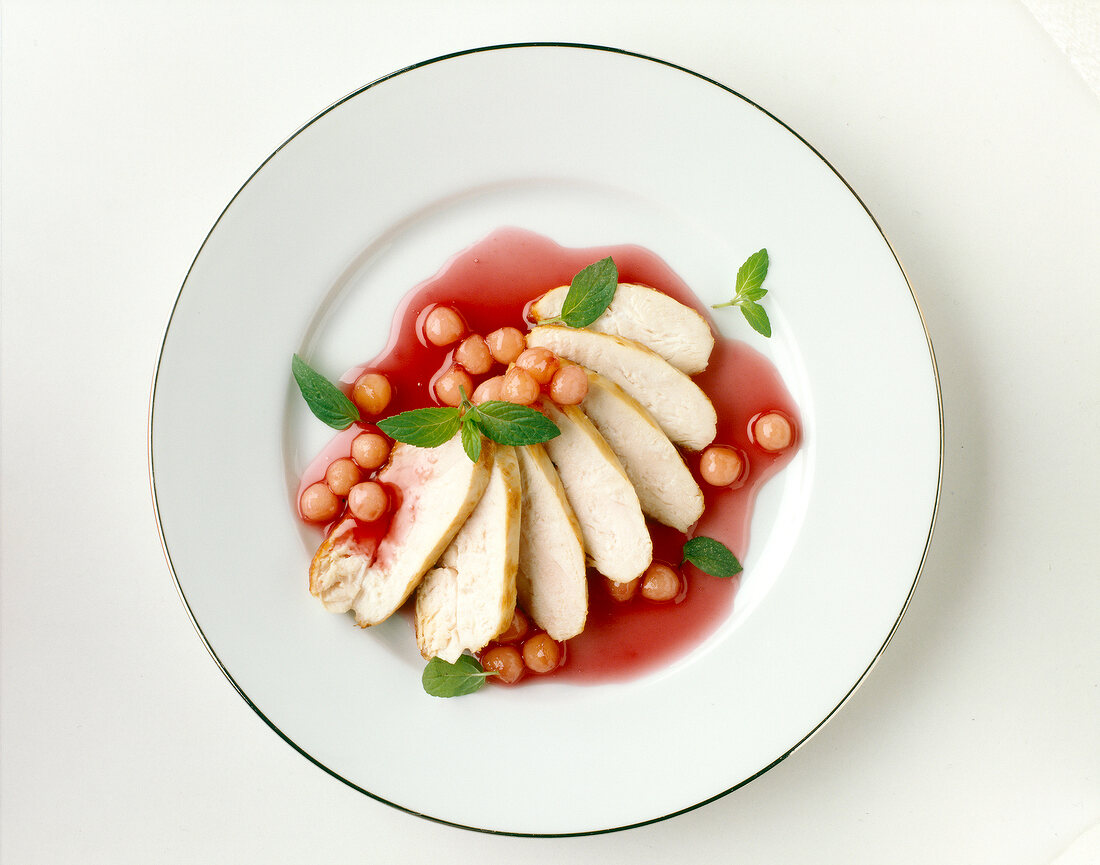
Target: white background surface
(127, 127)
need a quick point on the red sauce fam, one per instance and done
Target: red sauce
(491, 284)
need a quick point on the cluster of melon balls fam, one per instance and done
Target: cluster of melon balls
(520, 650)
(528, 374)
(347, 479)
(530, 371)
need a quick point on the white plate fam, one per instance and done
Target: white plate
(587, 146)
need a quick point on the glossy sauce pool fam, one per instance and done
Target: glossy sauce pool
(491, 284)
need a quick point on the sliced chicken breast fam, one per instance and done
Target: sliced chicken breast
(551, 581)
(675, 402)
(665, 487)
(437, 488)
(471, 596)
(616, 539)
(662, 324)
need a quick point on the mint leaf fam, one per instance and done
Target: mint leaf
(750, 277)
(511, 424)
(751, 274)
(471, 439)
(464, 676)
(328, 403)
(711, 556)
(756, 316)
(422, 427)
(590, 293)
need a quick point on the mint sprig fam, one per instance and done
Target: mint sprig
(750, 276)
(711, 557)
(328, 403)
(590, 293)
(464, 676)
(502, 422)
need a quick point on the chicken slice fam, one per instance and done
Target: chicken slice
(665, 487)
(551, 582)
(437, 489)
(676, 403)
(470, 597)
(661, 323)
(616, 539)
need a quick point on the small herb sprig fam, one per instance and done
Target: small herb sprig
(590, 294)
(750, 276)
(711, 557)
(464, 676)
(504, 422)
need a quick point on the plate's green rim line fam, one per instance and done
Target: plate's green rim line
(935, 504)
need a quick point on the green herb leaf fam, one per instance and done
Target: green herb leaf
(511, 424)
(756, 316)
(423, 427)
(750, 277)
(464, 676)
(328, 403)
(751, 274)
(590, 293)
(471, 438)
(711, 556)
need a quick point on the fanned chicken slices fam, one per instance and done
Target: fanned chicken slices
(675, 402)
(665, 487)
(551, 581)
(616, 539)
(438, 488)
(471, 596)
(648, 316)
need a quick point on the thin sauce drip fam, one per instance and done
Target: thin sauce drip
(492, 285)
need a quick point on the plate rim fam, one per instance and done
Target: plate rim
(528, 45)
